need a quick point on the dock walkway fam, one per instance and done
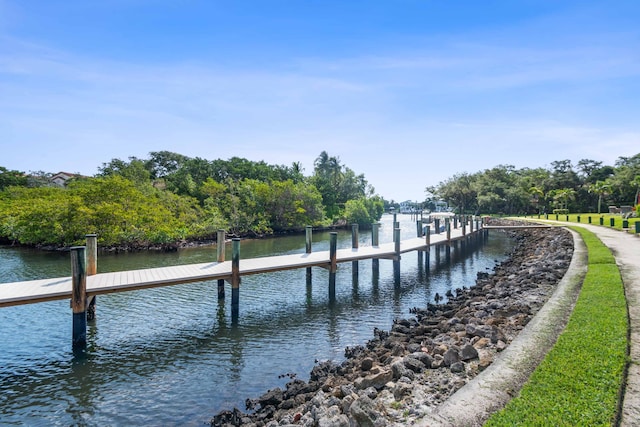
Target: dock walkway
(33, 291)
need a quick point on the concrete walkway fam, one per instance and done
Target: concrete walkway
(493, 388)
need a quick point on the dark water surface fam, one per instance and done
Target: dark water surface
(171, 356)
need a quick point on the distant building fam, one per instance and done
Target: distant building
(408, 207)
(441, 206)
(60, 179)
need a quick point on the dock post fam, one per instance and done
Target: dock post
(221, 255)
(307, 243)
(455, 222)
(308, 238)
(375, 242)
(235, 279)
(333, 252)
(354, 245)
(375, 234)
(354, 236)
(395, 224)
(396, 239)
(79, 296)
(92, 269)
(418, 228)
(333, 264)
(436, 222)
(447, 225)
(428, 244)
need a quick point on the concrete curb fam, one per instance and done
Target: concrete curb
(474, 403)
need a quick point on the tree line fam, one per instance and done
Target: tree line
(587, 186)
(170, 198)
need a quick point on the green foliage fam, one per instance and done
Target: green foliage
(580, 188)
(170, 197)
(579, 381)
(337, 184)
(10, 178)
(356, 212)
(113, 207)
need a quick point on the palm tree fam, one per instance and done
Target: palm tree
(537, 194)
(636, 183)
(563, 195)
(601, 188)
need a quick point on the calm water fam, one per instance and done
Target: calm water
(171, 356)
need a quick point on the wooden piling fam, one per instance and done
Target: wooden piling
(307, 244)
(354, 236)
(92, 254)
(447, 225)
(395, 224)
(375, 237)
(436, 225)
(418, 228)
(333, 252)
(354, 244)
(333, 263)
(79, 296)
(220, 242)
(396, 239)
(375, 234)
(92, 269)
(308, 238)
(235, 279)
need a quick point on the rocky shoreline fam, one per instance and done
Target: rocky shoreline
(401, 375)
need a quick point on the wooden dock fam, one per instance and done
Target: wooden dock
(34, 291)
(85, 284)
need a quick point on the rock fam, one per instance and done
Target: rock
(423, 357)
(457, 367)
(271, 398)
(333, 418)
(366, 364)
(400, 370)
(450, 357)
(468, 352)
(364, 413)
(401, 389)
(414, 364)
(376, 381)
(482, 343)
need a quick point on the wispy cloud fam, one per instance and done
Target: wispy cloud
(477, 97)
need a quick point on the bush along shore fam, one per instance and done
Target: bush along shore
(403, 374)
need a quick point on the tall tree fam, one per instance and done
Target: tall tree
(601, 189)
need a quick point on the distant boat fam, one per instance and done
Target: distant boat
(429, 220)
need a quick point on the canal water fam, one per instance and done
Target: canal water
(172, 356)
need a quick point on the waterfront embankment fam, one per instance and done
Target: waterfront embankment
(402, 376)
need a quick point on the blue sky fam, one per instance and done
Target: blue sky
(406, 92)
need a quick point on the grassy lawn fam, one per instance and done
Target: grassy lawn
(595, 219)
(580, 380)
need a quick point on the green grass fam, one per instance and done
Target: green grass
(580, 380)
(583, 218)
